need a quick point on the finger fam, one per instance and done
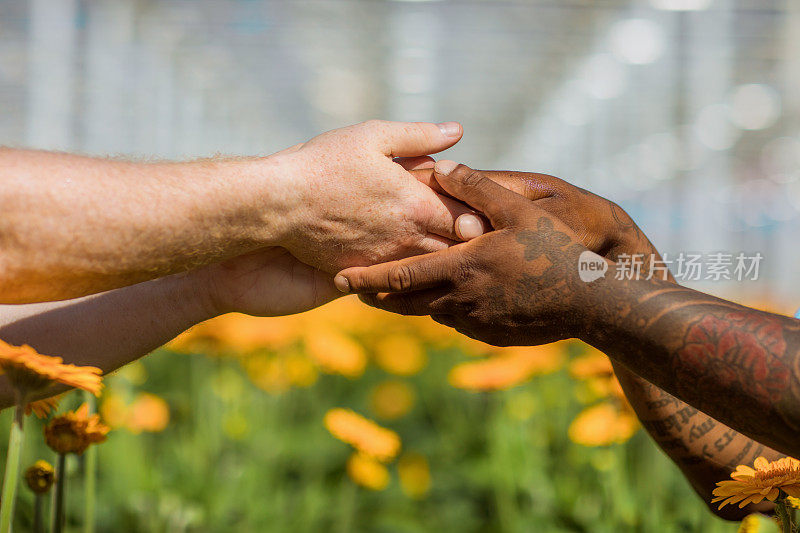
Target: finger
(415, 163)
(433, 243)
(410, 139)
(406, 275)
(418, 303)
(502, 207)
(530, 185)
(470, 226)
(440, 217)
(425, 176)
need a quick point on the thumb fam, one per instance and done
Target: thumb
(502, 207)
(409, 139)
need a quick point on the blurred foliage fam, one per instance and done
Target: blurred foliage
(223, 430)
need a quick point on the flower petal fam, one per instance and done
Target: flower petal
(761, 463)
(792, 490)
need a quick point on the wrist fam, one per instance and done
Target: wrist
(597, 301)
(254, 199)
(193, 295)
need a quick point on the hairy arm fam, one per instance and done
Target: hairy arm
(72, 225)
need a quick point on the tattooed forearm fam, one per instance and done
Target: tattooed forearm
(705, 450)
(675, 426)
(739, 365)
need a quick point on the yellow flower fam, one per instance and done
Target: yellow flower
(29, 370)
(149, 413)
(335, 352)
(436, 334)
(402, 355)
(749, 524)
(367, 472)
(415, 475)
(244, 333)
(300, 371)
(603, 424)
(74, 431)
(512, 367)
(793, 502)
(42, 408)
(392, 399)
(114, 410)
(765, 481)
(266, 372)
(237, 333)
(363, 434)
(591, 365)
(40, 477)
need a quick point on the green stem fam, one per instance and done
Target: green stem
(12, 467)
(783, 515)
(90, 467)
(58, 494)
(38, 523)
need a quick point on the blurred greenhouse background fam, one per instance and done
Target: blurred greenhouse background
(686, 112)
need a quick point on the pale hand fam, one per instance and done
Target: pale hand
(269, 282)
(354, 205)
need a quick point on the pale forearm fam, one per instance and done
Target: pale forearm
(106, 330)
(74, 225)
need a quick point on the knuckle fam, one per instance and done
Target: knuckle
(400, 278)
(472, 178)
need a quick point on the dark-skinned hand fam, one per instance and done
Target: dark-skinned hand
(518, 284)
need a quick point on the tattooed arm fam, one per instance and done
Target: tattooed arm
(706, 450)
(487, 291)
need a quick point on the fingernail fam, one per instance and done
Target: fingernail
(445, 167)
(469, 226)
(342, 284)
(450, 129)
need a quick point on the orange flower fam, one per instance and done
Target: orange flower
(402, 355)
(767, 480)
(148, 412)
(363, 434)
(603, 424)
(415, 475)
(335, 352)
(392, 399)
(30, 371)
(512, 367)
(74, 431)
(367, 472)
(40, 477)
(43, 407)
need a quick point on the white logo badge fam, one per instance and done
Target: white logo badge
(591, 266)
